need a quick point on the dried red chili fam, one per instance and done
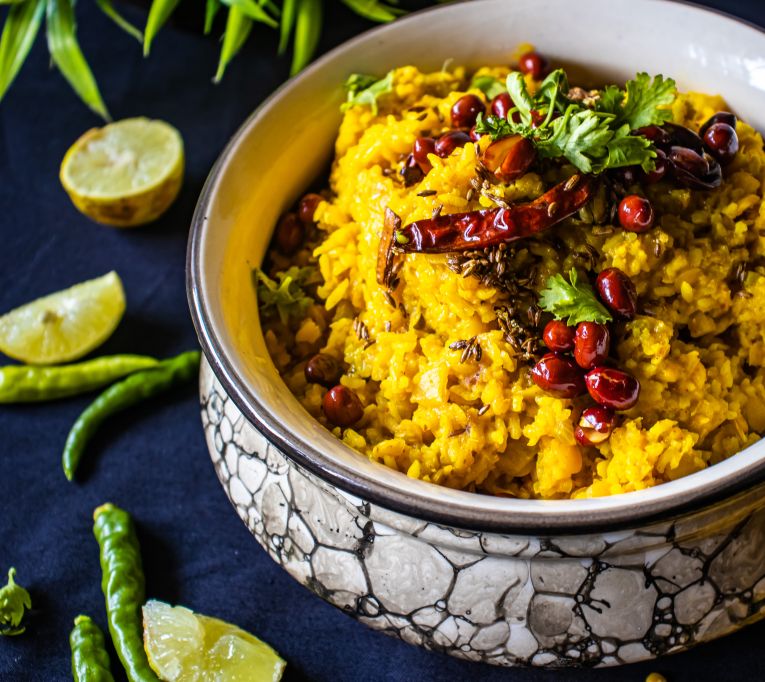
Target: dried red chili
(488, 227)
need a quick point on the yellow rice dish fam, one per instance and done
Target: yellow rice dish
(474, 419)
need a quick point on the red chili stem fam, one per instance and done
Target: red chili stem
(488, 227)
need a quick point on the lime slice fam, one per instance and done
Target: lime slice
(182, 645)
(65, 325)
(126, 173)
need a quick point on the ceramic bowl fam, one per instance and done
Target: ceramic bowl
(548, 583)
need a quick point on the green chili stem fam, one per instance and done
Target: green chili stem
(90, 661)
(122, 583)
(120, 396)
(30, 383)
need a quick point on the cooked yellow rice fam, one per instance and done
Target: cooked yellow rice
(699, 355)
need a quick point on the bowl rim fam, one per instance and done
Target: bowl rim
(624, 510)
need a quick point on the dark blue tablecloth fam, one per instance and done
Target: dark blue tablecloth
(153, 460)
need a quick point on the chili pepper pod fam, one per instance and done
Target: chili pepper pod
(488, 227)
(30, 383)
(120, 396)
(122, 583)
(90, 661)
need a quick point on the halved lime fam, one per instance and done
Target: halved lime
(183, 645)
(126, 173)
(65, 325)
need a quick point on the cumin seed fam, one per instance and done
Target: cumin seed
(552, 208)
(437, 210)
(572, 182)
(427, 193)
(484, 409)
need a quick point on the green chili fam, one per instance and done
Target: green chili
(29, 383)
(130, 391)
(123, 586)
(90, 662)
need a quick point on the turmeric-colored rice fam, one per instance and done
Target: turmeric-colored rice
(697, 348)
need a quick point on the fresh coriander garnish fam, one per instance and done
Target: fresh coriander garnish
(494, 126)
(14, 601)
(572, 299)
(364, 90)
(643, 102)
(285, 294)
(593, 140)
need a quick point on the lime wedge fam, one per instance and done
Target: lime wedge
(65, 325)
(126, 173)
(182, 645)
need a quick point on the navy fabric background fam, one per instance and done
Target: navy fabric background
(153, 460)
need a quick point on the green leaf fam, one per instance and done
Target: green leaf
(581, 136)
(610, 100)
(284, 295)
(253, 10)
(522, 100)
(107, 8)
(308, 22)
(494, 126)
(572, 299)
(19, 33)
(629, 150)
(14, 601)
(488, 85)
(287, 23)
(11, 2)
(363, 90)
(238, 27)
(553, 87)
(644, 101)
(159, 13)
(212, 8)
(374, 10)
(67, 56)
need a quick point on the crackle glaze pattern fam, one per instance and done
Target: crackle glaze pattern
(586, 600)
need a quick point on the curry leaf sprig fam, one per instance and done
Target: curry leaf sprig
(14, 601)
(572, 299)
(592, 139)
(298, 21)
(285, 294)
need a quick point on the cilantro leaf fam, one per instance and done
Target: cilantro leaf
(610, 100)
(643, 102)
(572, 299)
(629, 150)
(581, 136)
(488, 85)
(553, 87)
(516, 86)
(286, 295)
(364, 90)
(494, 126)
(14, 600)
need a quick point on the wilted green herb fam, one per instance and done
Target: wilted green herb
(364, 90)
(572, 299)
(285, 294)
(14, 601)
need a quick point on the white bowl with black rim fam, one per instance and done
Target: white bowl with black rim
(551, 583)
